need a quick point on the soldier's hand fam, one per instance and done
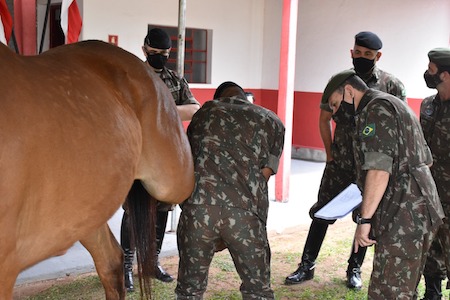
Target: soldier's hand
(362, 237)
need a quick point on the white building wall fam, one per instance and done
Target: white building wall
(326, 30)
(236, 25)
(246, 35)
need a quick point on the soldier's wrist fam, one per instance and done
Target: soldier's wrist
(360, 220)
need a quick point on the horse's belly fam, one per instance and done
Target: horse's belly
(64, 178)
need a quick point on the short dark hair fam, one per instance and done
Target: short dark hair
(443, 69)
(356, 82)
(229, 85)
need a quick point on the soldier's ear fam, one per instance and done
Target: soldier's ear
(349, 89)
(377, 57)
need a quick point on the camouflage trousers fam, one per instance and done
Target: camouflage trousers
(439, 254)
(435, 264)
(438, 258)
(398, 265)
(202, 229)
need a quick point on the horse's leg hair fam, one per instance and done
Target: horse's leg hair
(142, 211)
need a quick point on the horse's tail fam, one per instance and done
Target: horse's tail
(141, 208)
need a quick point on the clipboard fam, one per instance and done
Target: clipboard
(342, 204)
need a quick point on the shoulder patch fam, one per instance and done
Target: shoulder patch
(369, 130)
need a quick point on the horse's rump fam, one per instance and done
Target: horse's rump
(77, 125)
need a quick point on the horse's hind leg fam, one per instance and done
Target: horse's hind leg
(108, 259)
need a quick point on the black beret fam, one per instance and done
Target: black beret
(440, 56)
(369, 40)
(158, 38)
(335, 81)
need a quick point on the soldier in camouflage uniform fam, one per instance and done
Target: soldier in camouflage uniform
(236, 147)
(339, 171)
(435, 120)
(157, 45)
(400, 212)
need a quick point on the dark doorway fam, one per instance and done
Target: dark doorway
(56, 33)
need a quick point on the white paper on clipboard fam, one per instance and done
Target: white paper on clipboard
(341, 205)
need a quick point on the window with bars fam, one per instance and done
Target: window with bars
(196, 53)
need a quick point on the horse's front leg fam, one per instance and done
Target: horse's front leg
(7, 282)
(108, 259)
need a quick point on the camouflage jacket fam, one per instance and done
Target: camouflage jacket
(435, 121)
(178, 86)
(388, 137)
(341, 148)
(232, 140)
(386, 82)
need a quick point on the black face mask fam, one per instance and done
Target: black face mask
(347, 108)
(345, 113)
(157, 61)
(363, 65)
(432, 81)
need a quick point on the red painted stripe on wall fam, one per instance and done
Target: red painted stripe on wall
(306, 113)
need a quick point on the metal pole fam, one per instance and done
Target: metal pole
(13, 37)
(180, 71)
(181, 37)
(47, 12)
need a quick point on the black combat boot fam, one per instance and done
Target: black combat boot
(128, 269)
(314, 241)
(161, 223)
(128, 250)
(355, 261)
(433, 288)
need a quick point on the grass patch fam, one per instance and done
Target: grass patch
(224, 282)
(84, 288)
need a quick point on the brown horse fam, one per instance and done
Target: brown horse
(78, 124)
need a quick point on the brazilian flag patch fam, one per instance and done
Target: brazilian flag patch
(369, 130)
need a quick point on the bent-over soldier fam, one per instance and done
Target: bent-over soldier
(236, 147)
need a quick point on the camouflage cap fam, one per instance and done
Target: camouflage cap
(369, 40)
(440, 56)
(335, 81)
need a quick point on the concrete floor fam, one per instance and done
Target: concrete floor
(304, 184)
